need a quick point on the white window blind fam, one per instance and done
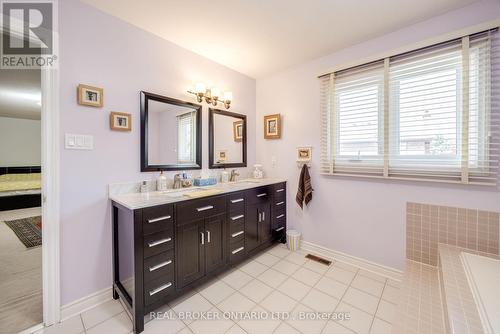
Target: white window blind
(185, 138)
(431, 114)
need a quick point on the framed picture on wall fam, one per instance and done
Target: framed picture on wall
(221, 155)
(90, 96)
(120, 121)
(238, 131)
(272, 126)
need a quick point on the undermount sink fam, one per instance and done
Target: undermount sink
(179, 192)
(244, 182)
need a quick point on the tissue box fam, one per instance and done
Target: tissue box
(205, 182)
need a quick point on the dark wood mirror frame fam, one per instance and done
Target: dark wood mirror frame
(211, 163)
(145, 166)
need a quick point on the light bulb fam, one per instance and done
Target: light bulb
(200, 88)
(228, 96)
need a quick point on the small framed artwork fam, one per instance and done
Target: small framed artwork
(221, 156)
(304, 153)
(90, 96)
(238, 131)
(272, 126)
(120, 121)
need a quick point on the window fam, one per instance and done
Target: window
(185, 138)
(424, 115)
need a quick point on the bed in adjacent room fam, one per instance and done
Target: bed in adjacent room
(20, 187)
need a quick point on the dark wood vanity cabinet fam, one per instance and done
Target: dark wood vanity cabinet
(161, 252)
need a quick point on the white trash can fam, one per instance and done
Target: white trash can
(293, 240)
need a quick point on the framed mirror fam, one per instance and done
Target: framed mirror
(170, 134)
(227, 145)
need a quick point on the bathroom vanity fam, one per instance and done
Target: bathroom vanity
(165, 243)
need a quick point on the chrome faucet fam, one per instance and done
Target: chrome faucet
(234, 174)
(177, 181)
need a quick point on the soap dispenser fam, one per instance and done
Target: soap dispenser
(161, 183)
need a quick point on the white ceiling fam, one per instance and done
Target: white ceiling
(20, 94)
(259, 37)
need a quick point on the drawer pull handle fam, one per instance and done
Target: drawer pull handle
(159, 242)
(202, 238)
(263, 194)
(158, 219)
(161, 288)
(279, 229)
(237, 217)
(160, 265)
(280, 203)
(237, 200)
(280, 190)
(205, 208)
(234, 235)
(263, 216)
(280, 216)
(238, 250)
(208, 236)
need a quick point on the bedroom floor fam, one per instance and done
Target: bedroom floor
(20, 277)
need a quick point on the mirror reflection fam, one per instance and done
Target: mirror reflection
(172, 134)
(228, 139)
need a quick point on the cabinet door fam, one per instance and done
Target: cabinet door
(215, 243)
(252, 219)
(190, 252)
(265, 226)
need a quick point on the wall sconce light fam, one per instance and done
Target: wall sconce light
(212, 95)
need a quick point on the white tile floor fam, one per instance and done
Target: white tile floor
(275, 281)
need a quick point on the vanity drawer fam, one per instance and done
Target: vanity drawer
(157, 218)
(159, 265)
(237, 251)
(159, 288)
(236, 226)
(159, 242)
(200, 208)
(259, 195)
(237, 236)
(279, 192)
(279, 221)
(279, 210)
(236, 202)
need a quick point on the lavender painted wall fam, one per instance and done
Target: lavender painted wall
(100, 50)
(363, 218)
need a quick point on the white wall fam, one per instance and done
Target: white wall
(20, 142)
(364, 218)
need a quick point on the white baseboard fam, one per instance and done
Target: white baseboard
(86, 303)
(353, 260)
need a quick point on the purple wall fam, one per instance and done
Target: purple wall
(100, 50)
(363, 218)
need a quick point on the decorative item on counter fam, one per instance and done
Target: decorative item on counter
(224, 176)
(120, 121)
(258, 173)
(272, 126)
(144, 187)
(304, 156)
(202, 182)
(161, 182)
(90, 96)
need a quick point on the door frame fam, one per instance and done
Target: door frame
(50, 161)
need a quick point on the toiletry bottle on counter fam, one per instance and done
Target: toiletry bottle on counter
(144, 187)
(224, 176)
(161, 183)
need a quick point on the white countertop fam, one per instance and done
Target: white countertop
(135, 200)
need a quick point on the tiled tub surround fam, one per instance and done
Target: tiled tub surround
(427, 225)
(461, 313)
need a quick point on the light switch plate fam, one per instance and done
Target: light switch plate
(78, 142)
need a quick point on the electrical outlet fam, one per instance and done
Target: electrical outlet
(273, 161)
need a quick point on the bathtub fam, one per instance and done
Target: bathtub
(483, 274)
